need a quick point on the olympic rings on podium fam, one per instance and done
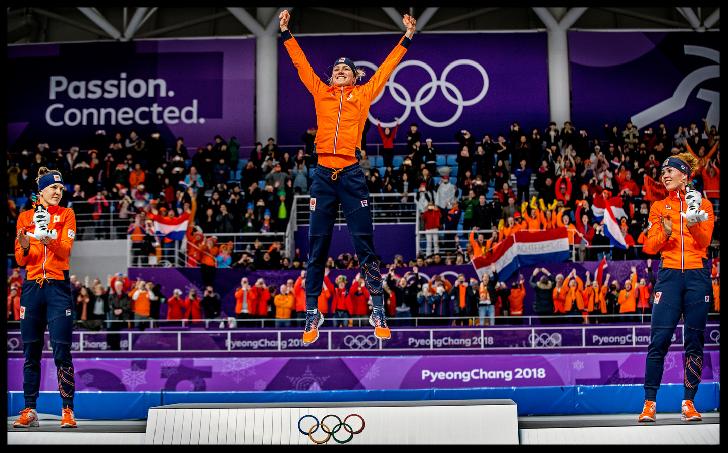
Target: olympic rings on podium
(331, 432)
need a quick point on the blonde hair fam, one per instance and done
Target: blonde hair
(691, 160)
(42, 171)
(358, 75)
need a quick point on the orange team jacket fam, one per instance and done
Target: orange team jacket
(478, 250)
(515, 299)
(687, 247)
(327, 290)
(572, 296)
(716, 297)
(341, 112)
(284, 305)
(299, 295)
(47, 261)
(627, 300)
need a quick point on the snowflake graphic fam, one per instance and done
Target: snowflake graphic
(239, 369)
(260, 384)
(370, 372)
(133, 378)
(170, 363)
(308, 380)
(87, 378)
(578, 365)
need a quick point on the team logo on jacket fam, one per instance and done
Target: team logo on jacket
(312, 204)
(658, 294)
(667, 206)
(22, 312)
(56, 218)
(364, 203)
(707, 299)
(71, 234)
(57, 178)
(68, 312)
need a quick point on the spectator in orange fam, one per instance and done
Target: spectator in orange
(358, 297)
(559, 302)
(195, 242)
(563, 188)
(137, 176)
(644, 290)
(176, 306)
(261, 299)
(515, 300)
(299, 296)
(244, 305)
(340, 303)
(142, 297)
(716, 294)
(532, 220)
(480, 247)
(283, 302)
(327, 292)
(627, 299)
(711, 182)
(572, 292)
(14, 304)
(193, 307)
(507, 229)
(208, 252)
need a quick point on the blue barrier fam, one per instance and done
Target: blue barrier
(567, 400)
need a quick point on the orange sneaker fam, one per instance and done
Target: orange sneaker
(313, 322)
(28, 419)
(378, 320)
(649, 412)
(689, 414)
(67, 419)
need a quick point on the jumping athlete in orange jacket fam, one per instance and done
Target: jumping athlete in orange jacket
(342, 107)
(680, 229)
(43, 245)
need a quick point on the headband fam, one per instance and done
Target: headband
(347, 62)
(674, 162)
(48, 179)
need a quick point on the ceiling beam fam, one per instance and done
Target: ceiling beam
(462, 17)
(71, 22)
(712, 19)
(647, 17)
(376, 23)
(425, 17)
(247, 20)
(395, 16)
(690, 16)
(101, 21)
(181, 25)
(134, 23)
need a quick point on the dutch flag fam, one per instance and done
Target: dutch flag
(172, 228)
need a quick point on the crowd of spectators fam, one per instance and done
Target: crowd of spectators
(121, 303)
(500, 183)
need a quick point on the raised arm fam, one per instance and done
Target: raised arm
(379, 79)
(305, 72)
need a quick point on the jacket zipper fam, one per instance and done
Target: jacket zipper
(338, 119)
(45, 257)
(682, 238)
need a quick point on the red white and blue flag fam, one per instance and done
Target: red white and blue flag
(599, 273)
(610, 211)
(171, 227)
(525, 248)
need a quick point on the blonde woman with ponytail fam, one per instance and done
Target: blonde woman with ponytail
(43, 245)
(680, 228)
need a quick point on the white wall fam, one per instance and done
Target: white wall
(98, 258)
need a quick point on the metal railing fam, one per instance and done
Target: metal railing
(386, 208)
(107, 224)
(175, 253)
(519, 338)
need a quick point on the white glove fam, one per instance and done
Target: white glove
(41, 218)
(693, 198)
(695, 216)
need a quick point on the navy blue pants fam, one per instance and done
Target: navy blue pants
(48, 305)
(688, 294)
(350, 189)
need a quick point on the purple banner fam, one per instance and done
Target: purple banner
(183, 87)
(647, 78)
(227, 280)
(352, 340)
(445, 82)
(355, 373)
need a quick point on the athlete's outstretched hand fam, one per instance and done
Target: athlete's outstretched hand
(409, 22)
(284, 16)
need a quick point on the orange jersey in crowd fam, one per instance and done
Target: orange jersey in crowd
(515, 300)
(47, 261)
(341, 112)
(687, 247)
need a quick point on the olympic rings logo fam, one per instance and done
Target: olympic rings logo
(13, 344)
(360, 341)
(330, 433)
(545, 340)
(427, 91)
(715, 336)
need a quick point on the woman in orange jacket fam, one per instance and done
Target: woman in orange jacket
(572, 293)
(342, 108)
(43, 242)
(680, 230)
(627, 299)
